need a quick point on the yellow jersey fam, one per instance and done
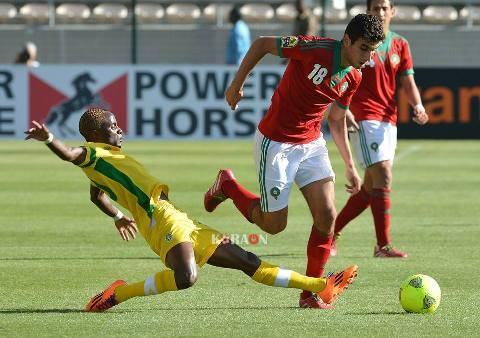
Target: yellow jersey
(124, 180)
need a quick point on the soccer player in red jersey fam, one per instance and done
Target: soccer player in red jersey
(321, 73)
(375, 111)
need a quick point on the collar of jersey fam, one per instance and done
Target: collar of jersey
(383, 49)
(104, 146)
(338, 73)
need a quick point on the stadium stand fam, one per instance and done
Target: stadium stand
(470, 13)
(72, 13)
(183, 13)
(217, 13)
(440, 14)
(110, 13)
(37, 13)
(332, 15)
(149, 13)
(205, 27)
(286, 12)
(407, 14)
(257, 12)
(357, 9)
(7, 12)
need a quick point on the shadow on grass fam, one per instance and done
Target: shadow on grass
(74, 258)
(215, 308)
(376, 313)
(17, 311)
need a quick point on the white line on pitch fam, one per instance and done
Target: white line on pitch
(410, 150)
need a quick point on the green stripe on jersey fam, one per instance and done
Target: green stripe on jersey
(116, 175)
(261, 174)
(383, 49)
(341, 105)
(93, 156)
(338, 73)
(109, 191)
(279, 47)
(407, 72)
(364, 147)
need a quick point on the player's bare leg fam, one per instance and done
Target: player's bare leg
(270, 222)
(232, 256)
(226, 186)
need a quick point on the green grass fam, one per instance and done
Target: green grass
(57, 249)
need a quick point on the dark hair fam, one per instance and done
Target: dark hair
(369, 3)
(366, 26)
(22, 57)
(235, 14)
(92, 119)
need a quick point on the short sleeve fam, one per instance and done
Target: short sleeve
(90, 157)
(345, 100)
(406, 61)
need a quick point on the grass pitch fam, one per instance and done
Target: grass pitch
(57, 249)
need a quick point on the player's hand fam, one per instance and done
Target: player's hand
(354, 181)
(233, 96)
(352, 125)
(126, 228)
(38, 132)
(419, 115)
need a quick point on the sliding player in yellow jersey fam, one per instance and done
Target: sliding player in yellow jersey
(181, 243)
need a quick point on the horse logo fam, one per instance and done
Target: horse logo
(83, 98)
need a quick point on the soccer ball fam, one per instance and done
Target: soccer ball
(420, 294)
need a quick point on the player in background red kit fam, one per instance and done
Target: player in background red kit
(289, 145)
(375, 110)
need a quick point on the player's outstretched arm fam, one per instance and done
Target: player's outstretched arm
(126, 226)
(40, 132)
(260, 47)
(338, 129)
(420, 116)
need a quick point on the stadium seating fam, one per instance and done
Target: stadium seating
(407, 14)
(357, 9)
(72, 13)
(470, 13)
(110, 13)
(440, 14)
(37, 13)
(217, 13)
(286, 12)
(256, 12)
(332, 15)
(7, 12)
(149, 13)
(183, 13)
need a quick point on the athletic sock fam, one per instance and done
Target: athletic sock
(355, 205)
(273, 275)
(241, 197)
(380, 205)
(162, 281)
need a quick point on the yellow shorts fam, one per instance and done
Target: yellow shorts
(171, 227)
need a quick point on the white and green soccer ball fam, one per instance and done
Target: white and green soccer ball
(420, 294)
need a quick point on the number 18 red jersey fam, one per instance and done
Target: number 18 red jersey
(312, 80)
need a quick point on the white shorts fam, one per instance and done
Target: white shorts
(374, 142)
(280, 164)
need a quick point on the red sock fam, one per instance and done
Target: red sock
(318, 251)
(241, 197)
(380, 205)
(354, 207)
